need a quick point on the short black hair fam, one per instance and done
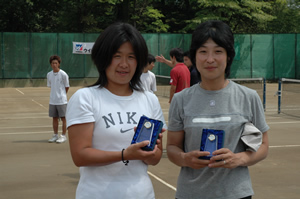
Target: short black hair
(54, 57)
(107, 45)
(220, 33)
(151, 59)
(177, 53)
(187, 54)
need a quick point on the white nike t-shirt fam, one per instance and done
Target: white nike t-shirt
(114, 117)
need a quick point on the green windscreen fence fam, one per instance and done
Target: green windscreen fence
(42, 46)
(285, 56)
(241, 66)
(298, 57)
(15, 55)
(152, 41)
(26, 55)
(262, 56)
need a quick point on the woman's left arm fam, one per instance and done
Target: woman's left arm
(227, 159)
(249, 158)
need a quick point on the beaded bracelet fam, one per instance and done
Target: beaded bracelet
(124, 161)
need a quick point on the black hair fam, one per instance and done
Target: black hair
(177, 53)
(151, 59)
(220, 33)
(55, 57)
(107, 45)
(187, 54)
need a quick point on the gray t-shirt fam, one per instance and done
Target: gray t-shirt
(228, 109)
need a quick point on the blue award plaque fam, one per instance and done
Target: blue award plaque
(147, 129)
(211, 140)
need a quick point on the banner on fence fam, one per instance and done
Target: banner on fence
(82, 47)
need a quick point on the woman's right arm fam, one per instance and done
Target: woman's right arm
(83, 154)
(80, 139)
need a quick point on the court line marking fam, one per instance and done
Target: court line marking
(282, 146)
(20, 91)
(44, 132)
(151, 174)
(32, 99)
(293, 122)
(22, 127)
(26, 133)
(39, 104)
(25, 115)
(20, 118)
(162, 181)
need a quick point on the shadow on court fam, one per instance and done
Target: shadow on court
(32, 168)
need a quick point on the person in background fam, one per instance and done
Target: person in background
(58, 81)
(163, 60)
(215, 104)
(101, 120)
(148, 78)
(195, 75)
(180, 75)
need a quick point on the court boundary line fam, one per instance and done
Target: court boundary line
(32, 99)
(161, 181)
(45, 132)
(22, 127)
(284, 146)
(27, 133)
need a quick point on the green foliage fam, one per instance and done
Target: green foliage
(150, 20)
(149, 16)
(242, 16)
(287, 17)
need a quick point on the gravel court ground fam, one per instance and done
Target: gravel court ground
(33, 168)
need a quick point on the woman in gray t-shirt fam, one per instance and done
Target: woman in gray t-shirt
(222, 107)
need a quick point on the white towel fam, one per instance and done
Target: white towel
(252, 137)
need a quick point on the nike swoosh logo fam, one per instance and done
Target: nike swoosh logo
(124, 131)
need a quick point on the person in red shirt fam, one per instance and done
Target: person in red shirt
(180, 74)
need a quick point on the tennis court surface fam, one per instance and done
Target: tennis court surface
(32, 168)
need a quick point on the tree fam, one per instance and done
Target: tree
(243, 16)
(16, 16)
(148, 19)
(287, 17)
(80, 16)
(138, 13)
(149, 16)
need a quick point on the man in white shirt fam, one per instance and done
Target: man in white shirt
(148, 78)
(58, 81)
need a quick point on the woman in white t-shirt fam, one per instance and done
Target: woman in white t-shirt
(101, 120)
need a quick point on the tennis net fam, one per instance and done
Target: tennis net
(258, 84)
(289, 96)
(163, 86)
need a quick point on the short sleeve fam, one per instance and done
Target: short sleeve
(80, 108)
(67, 81)
(176, 114)
(154, 89)
(258, 119)
(48, 80)
(174, 77)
